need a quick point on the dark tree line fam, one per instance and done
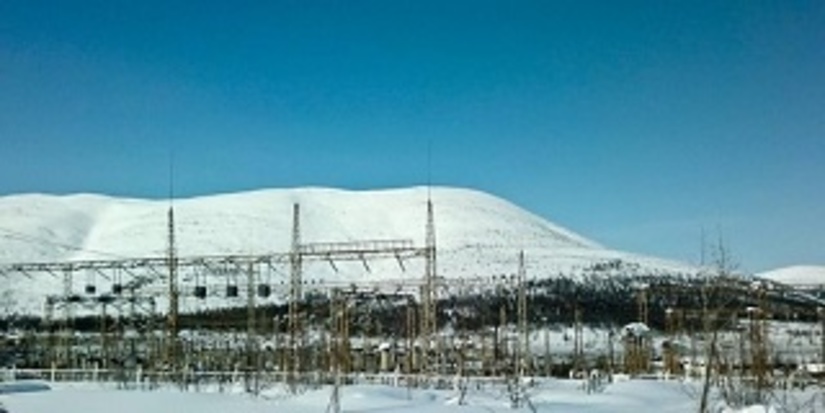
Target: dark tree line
(601, 300)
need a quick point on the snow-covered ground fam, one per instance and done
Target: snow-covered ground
(639, 396)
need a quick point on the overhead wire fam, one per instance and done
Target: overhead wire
(19, 236)
(23, 237)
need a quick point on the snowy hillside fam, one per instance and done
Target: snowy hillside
(258, 222)
(477, 234)
(469, 224)
(797, 275)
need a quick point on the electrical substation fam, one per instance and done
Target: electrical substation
(265, 319)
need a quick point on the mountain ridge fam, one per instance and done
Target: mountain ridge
(796, 275)
(94, 217)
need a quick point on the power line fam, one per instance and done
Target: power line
(19, 236)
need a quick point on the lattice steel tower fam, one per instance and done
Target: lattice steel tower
(172, 317)
(429, 329)
(295, 294)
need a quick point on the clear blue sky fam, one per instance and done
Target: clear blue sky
(634, 123)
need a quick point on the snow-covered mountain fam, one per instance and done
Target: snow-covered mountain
(477, 234)
(798, 275)
(76, 227)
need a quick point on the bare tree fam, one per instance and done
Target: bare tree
(739, 377)
(716, 303)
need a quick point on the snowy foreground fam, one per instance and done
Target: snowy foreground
(550, 396)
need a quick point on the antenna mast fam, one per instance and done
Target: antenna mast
(429, 168)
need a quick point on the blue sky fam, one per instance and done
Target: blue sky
(634, 123)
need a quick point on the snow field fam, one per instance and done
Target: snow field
(635, 396)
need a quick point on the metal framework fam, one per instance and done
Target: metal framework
(296, 328)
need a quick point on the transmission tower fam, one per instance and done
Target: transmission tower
(172, 318)
(429, 330)
(295, 295)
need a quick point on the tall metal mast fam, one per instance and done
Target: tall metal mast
(295, 294)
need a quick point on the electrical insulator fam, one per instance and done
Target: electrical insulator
(200, 291)
(264, 290)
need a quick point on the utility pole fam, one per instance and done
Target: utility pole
(67, 335)
(759, 343)
(821, 311)
(671, 360)
(548, 366)
(523, 345)
(410, 362)
(523, 333)
(642, 304)
(252, 352)
(639, 350)
(500, 349)
(104, 338)
(338, 321)
(578, 339)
